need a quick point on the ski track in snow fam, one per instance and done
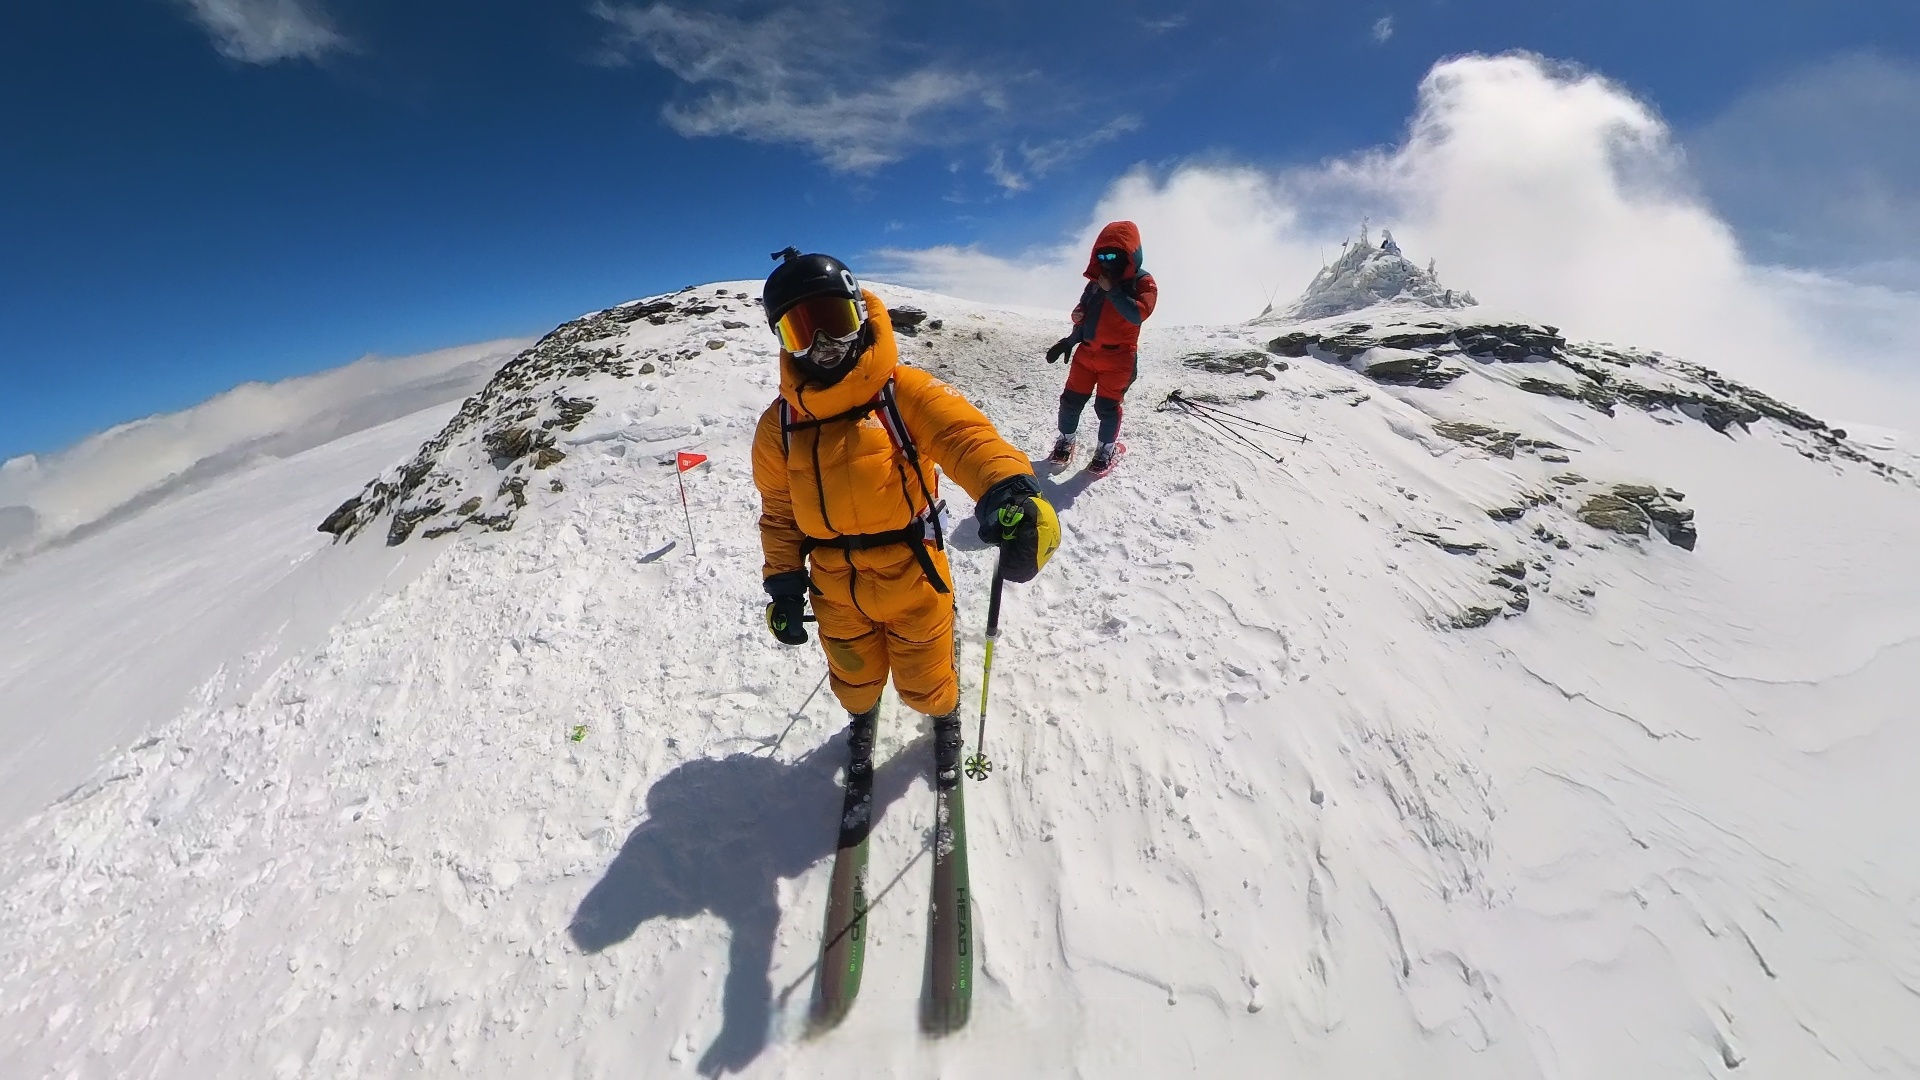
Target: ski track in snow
(1257, 811)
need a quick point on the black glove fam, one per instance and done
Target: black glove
(786, 613)
(1014, 516)
(1061, 348)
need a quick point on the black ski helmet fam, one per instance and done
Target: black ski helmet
(801, 276)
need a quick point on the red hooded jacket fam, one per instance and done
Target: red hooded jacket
(1110, 321)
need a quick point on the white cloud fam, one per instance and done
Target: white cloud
(1383, 29)
(754, 90)
(1545, 190)
(1042, 158)
(266, 31)
(1003, 174)
(121, 470)
(1045, 157)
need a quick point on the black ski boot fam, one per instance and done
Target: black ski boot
(946, 749)
(860, 729)
(856, 815)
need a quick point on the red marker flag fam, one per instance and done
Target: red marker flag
(684, 461)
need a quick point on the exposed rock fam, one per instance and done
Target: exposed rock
(1474, 618)
(514, 416)
(648, 368)
(1492, 440)
(936, 324)
(640, 309)
(1615, 514)
(1511, 341)
(547, 457)
(470, 507)
(342, 517)
(732, 324)
(1402, 367)
(512, 442)
(1297, 344)
(1672, 521)
(515, 488)
(716, 343)
(1235, 363)
(907, 319)
(409, 517)
(568, 413)
(1450, 545)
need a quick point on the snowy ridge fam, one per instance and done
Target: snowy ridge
(1396, 757)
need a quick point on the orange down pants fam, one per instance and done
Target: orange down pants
(879, 615)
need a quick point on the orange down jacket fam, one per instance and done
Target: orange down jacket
(846, 478)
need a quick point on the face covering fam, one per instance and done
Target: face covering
(829, 360)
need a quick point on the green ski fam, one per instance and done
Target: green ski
(949, 997)
(844, 940)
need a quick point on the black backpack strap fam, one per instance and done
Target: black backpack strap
(888, 406)
(915, 536)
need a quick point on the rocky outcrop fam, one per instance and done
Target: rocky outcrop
(1614, 514)
(1400, 348)
(1245, 362)
(1423, 354)
(1493, 440)
(1671, 520)
(510, 428)
(1639, 510)
(907, 319)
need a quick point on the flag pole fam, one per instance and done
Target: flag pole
(679, 475)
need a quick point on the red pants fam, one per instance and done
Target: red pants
(1106, 372)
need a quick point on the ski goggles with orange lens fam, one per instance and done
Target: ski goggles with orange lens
(836, 316)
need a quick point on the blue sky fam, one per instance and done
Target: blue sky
(197, 193)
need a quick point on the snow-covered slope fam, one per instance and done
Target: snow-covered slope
(1431, 749)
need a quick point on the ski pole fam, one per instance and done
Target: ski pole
(693, 545)
(978, 767)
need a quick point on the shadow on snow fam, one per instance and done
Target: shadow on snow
(964, 535)
(719, 835)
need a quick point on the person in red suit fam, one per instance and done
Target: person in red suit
(1104, 345)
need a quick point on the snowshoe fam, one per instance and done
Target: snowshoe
(1105, 458)
(1062, 455)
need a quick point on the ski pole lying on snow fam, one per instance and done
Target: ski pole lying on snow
(1227, 423)
(978, 767)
